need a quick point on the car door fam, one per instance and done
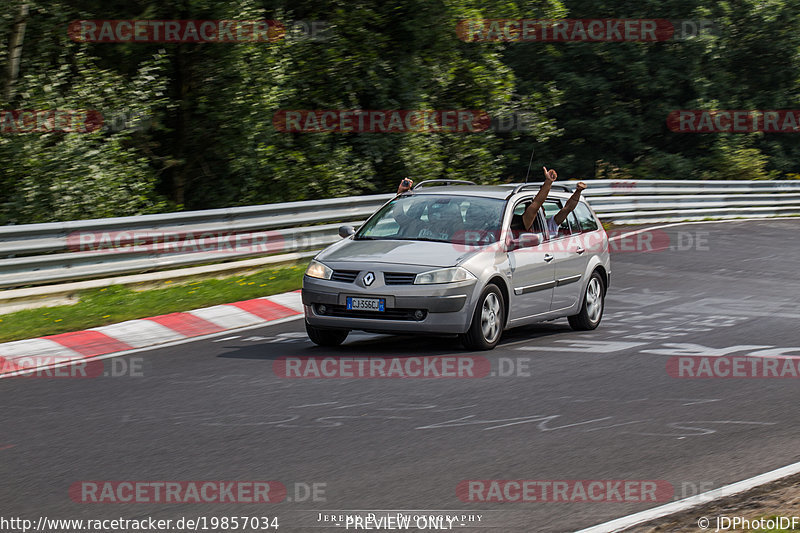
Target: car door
(569, 257)
(532, 271)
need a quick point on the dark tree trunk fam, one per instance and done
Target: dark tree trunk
(15, 52)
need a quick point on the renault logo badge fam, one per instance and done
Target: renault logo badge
(369, 277)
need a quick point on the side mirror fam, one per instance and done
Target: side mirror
(346, 231)
(525, 240)
(529, 240)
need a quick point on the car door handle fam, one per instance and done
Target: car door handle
(548, 258)
(580, 250)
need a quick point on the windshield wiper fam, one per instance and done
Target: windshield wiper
(426, 239)
(395, 238)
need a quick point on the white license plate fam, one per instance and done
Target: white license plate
(366, 304)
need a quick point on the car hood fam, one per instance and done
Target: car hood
(436, 254)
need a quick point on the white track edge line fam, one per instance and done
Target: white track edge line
(151, 347)
(625, 522)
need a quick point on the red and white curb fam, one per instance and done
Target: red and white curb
(30, 354)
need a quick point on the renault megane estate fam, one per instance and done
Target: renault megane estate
(452, 257)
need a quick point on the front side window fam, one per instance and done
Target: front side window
(517, 224)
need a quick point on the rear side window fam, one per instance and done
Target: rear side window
(586, 220)
(574, 226)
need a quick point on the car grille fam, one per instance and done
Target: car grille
(346, 276)
(389, 314)
(399, 278)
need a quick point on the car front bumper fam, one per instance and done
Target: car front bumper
(446, 308)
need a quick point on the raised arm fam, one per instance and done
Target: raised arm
(405, 186)
(397, 211)
(538, 201)
(571, 204)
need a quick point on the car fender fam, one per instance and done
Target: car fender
(595, 262)
(491, 265)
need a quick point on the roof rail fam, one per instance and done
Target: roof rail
(523, 186)
(446, 182)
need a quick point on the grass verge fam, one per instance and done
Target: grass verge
(99, 307)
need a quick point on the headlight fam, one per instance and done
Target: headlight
(318, 270)
(443, 275)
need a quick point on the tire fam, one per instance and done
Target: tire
(326, 337)
(488, 321)
(593, 305)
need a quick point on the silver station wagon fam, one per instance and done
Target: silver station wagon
(451, 257)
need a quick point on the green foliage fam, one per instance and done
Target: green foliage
(203, 137)
(730, 157)
(64, 176)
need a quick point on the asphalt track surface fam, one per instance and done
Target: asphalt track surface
(596, 406)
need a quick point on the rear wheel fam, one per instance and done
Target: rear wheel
(487, 322)
(593, 304)
(326, 337)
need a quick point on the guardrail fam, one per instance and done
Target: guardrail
(38, 254)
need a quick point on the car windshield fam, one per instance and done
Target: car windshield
(439, 218)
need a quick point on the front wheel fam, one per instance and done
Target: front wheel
(326, 337)
(487, 321)
(593, 304)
